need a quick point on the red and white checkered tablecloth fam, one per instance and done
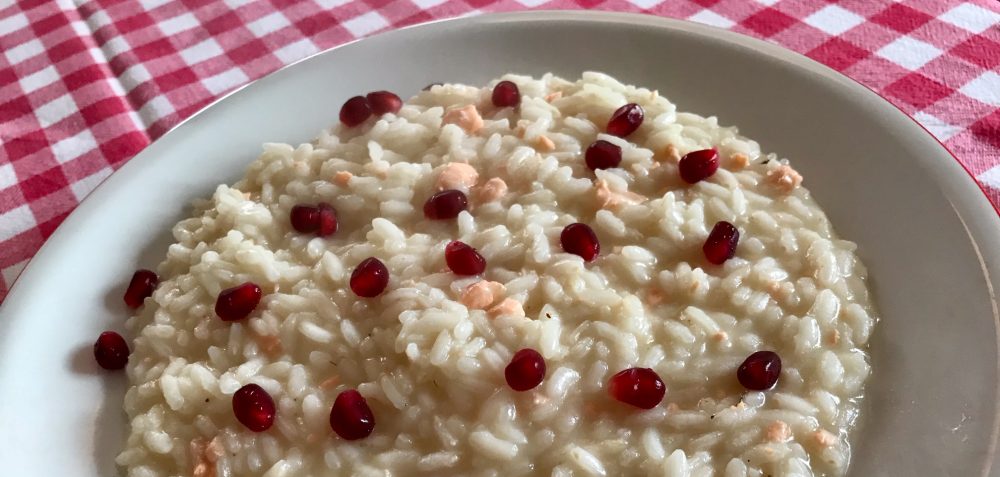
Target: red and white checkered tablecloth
(85, 85)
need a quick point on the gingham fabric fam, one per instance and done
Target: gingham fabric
(86, 84)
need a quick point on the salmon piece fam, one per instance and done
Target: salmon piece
(778, 431)
(507, 307)
(270, 345)
(784, 178)
(466, 117)
(197, 447)
(721, 336)
(654, 296)
(205, 455)
(202, 469)
(543, 143)
(824, 438)
(482, 294)
(457, 175)
(342, 178)
(553, 96)
(739, 161)
(214, 450)
(608, 199)
(494, 189)
(670, 153)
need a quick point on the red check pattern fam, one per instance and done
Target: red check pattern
(84, 88)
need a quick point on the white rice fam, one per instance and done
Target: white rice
(432, 369)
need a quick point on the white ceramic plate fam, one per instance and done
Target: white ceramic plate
(930, 237)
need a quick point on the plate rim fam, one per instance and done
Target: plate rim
(971, 205)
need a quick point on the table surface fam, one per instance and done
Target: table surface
(83, 88)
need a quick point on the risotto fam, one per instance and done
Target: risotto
(537, 277)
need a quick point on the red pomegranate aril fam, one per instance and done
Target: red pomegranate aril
(370, 278)
(321, 219)
(238, 302)
(603, 155)
(698, 165)
(140, 287)
(355, 111)
(760, 371)
(254, 408)
(506, 94)
(640, 387)
(463, 259)
(525, 371)
(111, 351)
(304, 218)
(721, 243)
(625, 120)
(351, 418)
(327, 221)
(446, 204)
(383, 102)
(580, 239)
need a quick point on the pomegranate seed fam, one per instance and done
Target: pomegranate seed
(351, 418)
(759, 372)
(525, 371)
(140, 287)
(327, 219)
(603, 155)
(321, 219)
(304, 218)
(463, 259)
(506, 94)
(355, 111)
(384, 102)
(625, 120)
(721, 243)
(640, 387)
(369, 278)
(446, 204)
(254, 407)
(111, 350)
(238, 302)
(698, 165)
(580, 239)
